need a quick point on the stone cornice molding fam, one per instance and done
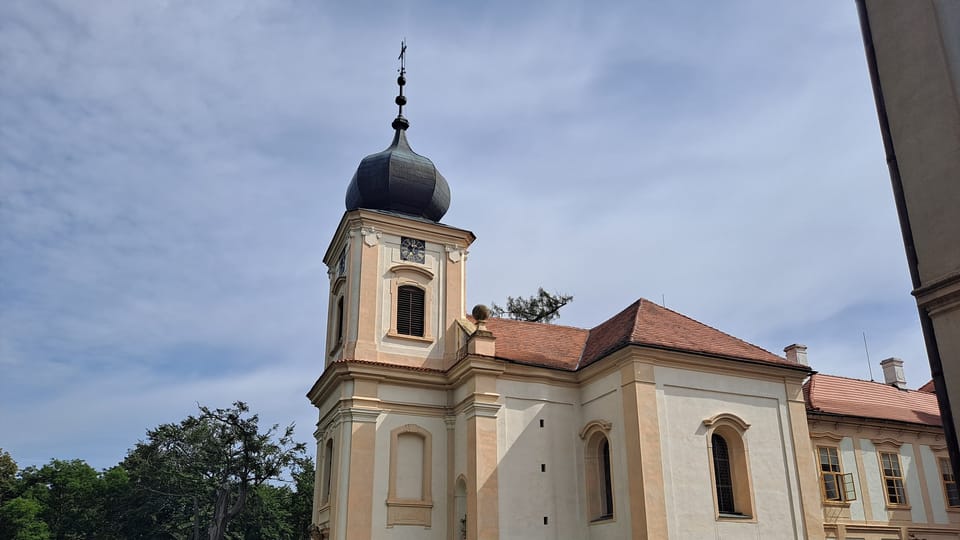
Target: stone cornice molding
(481, 409)
(360, 414)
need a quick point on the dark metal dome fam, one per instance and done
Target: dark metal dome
(399, 180)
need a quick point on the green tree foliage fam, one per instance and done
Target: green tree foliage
(20, 520)
(205, 470)
(543, 307)
(215, 475)
(8, 475)
(69, 494)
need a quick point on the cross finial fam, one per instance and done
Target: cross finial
(400, 122)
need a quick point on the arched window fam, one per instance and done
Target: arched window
(339, 320)
(729, 466)
(598, 467)
(327, 471)
(410, 310)
(722, 476)
(606, 492)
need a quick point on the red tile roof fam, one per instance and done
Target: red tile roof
(929, 388)
(866, 399)
(547, 345)
(642, 323)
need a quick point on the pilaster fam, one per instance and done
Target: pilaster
(647, 506)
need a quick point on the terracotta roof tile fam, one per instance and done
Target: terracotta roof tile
(929, 388)
(547, 345)
(647, 323)
(867, 399)
(642, 323)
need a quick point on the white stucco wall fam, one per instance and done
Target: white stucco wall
(528, 494)
(434, 255)
(848, 462)
(687, 398)
(911, 478)
(874, 481)
(438, 430)
(601, 400)
(931, 470)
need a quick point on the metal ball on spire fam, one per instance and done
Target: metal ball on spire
(400, 122)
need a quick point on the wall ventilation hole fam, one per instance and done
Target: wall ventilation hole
(541, 422)
(544, 520)
(543, 467)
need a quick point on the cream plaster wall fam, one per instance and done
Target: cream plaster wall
(931, 471)
(848, 463)
(687, 398)
(390, 256)
(911, 477)
(438, 430)
(601, 400)
(875, 487)
(531, 493)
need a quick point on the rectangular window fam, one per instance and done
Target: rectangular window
(836, 486)
(893, 478)
(949, 483)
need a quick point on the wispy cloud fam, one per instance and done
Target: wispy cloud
(172, 172)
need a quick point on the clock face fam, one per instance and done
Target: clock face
(411, 249)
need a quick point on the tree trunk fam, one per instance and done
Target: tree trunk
(223, 511)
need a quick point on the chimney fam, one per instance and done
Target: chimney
(797, 354)
(893, 373)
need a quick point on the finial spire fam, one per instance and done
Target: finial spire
(400, 122)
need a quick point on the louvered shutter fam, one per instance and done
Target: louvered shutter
(410, 310)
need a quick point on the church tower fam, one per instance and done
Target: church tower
(396, 327)
(397, 275)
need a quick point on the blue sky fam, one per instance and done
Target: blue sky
(171, 173)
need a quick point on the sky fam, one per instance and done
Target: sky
(171, 173)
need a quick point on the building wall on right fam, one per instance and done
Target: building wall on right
(884, 470)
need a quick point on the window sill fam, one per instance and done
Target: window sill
(736, 518)
(900, 507)
(954, 509)
(418, 339)
(842, 504)
(602, 519)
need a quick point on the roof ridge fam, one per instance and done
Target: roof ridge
(540, 323)
(915, 390)
(731, 336)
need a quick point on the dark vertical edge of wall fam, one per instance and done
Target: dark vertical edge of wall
(926, 324)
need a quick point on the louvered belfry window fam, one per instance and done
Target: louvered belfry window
(410, 310)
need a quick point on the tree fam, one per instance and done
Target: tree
(204, 469)
(542, 307)
(68, 494)
(20, 520)
(8, 475)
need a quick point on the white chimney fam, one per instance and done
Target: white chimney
(893, 372)
(797, 354)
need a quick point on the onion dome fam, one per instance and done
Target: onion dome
(398, 179)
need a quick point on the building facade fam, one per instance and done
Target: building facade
(650, 425)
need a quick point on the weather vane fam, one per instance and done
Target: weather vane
(401, 81)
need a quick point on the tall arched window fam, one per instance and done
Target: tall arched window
(598, 467)
(339, 320)
(730, 466)
(606, 492)
(410, 310)
(722, 476)
(327, 471)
